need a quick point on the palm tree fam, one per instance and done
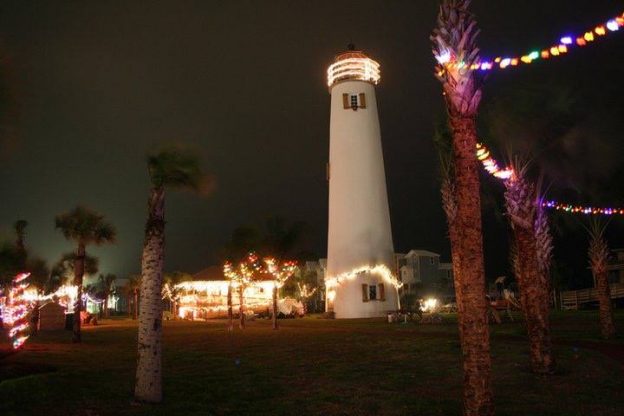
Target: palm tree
(598, 259)
(169, 168)
(530, 266)
(20, 232)
(454, 46)
(133, 288)
(106, 282)
(170, 290)
(281, 238)
(280, 272)
(84, 227)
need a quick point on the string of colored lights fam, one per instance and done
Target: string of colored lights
(492, 167)
(566, 43)
(304, 291)
(280, 272)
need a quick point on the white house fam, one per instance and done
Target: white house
(421, 272)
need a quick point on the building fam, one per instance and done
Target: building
(206, 295)
(616, 266)
(421, 272)
(359, 280)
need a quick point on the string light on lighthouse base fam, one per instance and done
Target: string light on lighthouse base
(332, 282)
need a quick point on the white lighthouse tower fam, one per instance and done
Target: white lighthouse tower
(360, 254)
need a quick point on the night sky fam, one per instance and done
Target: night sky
(97, 85)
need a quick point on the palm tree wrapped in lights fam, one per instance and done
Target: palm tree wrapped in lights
(241, 278)
(280, 272)
(305, 293)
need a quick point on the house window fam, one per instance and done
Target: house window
(382, 291)
(431, 260)
(372, 292)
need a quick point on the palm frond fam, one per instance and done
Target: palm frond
(85, 226)
(598, 248)
(176, 168)
(454, 45)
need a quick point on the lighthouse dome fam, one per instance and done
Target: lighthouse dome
(353, 65)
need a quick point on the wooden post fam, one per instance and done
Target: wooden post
(241, 323)
(229, 304)
(275, 306)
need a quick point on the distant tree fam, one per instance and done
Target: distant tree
(106, 286)
(275, 238)
(39, 273)
(598, 260)
(244, 239)
(281, 238)
(9, 264)
(62, 272)
(174, 169)
(20, 233)
(133, 291)
(303, 285)
(170, 290)
(13, 257)
(84, 227)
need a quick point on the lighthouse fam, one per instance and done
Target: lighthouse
(359, 280)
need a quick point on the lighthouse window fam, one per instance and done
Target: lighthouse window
(354, 101)
(372, 292)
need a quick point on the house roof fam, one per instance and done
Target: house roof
(210, 273)
(422, 253)
(215, 273)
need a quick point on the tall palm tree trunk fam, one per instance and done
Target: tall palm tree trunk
(598, 256)
(470, 278)
(78, 275)
(532, 281)
(241, 312)
(148, 386)
(535, 301)
(544, 243)
(229, 306)
(449, 204)
(607, 327)
(275, 326)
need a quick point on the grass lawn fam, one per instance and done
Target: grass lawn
(311, 367)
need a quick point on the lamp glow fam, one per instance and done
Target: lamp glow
(354, 65)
